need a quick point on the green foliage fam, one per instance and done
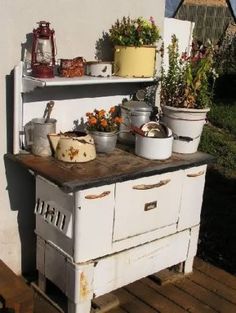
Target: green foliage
(225, 57)
(187, 81)
(134, 32)
(223, 146)
(223, 115)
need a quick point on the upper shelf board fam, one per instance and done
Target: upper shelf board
(30, 83)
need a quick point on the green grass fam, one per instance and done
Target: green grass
(219, 136)
(223, 115)
(222, 145)
(217, 232)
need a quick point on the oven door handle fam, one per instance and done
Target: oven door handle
(101, 195)
(196, 174)
(157, 185)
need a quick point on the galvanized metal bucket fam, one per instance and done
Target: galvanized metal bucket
(105, 142)
(133, 113)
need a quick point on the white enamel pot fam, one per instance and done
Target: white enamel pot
(154, 148)
(99, 69)
(187, 126)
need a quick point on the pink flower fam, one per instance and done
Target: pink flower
(152, 20)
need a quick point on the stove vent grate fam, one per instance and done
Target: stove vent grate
(53, 215)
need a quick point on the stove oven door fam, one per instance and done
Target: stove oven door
(147, 205)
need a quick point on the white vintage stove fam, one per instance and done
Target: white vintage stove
(103, 224)
(111, 221)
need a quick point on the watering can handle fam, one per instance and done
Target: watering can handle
(28, 134)
(48, 111)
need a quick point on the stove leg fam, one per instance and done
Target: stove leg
(42, 282)
(83, 307)
(186, 267)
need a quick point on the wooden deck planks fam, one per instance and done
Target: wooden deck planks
(131, 304)
(206, 296)
(215, 272)
(14, 291)
(152, 298)
(179, 297)
(214, 286)
(117, 310)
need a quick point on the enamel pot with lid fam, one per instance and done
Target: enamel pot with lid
(133, 113)
(154, 143)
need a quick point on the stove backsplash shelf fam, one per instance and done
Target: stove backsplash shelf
(30, 83)
(26, 87)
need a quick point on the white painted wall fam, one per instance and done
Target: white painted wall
(184, 33)
(78, 25)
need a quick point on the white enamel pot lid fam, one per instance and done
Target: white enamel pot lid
(134, 106)
(160, 126)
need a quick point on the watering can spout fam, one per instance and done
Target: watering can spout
(54, 139)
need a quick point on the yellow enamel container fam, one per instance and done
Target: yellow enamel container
(134, 61)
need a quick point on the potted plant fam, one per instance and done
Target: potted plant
(103, 126)
(186, 93)
(135, 50)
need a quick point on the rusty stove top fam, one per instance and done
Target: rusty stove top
(120, 165)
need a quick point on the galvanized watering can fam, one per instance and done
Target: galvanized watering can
(36, 135)
(37, 130)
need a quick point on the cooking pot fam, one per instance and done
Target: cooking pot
(154, 148)
(73, 147)
(99, 69)
(133, 113)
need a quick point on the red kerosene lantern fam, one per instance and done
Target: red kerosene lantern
(43, 51)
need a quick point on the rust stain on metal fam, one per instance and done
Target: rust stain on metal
(73, 152)
(84, 287)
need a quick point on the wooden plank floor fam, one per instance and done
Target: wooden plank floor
(207, 290)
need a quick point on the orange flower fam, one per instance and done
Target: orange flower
(101, 113)
(102, 120)
(112, 110)
(118, 120)
(92, 120)
(104, 123)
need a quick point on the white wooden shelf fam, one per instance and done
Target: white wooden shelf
(25, 83)
(30, 83)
